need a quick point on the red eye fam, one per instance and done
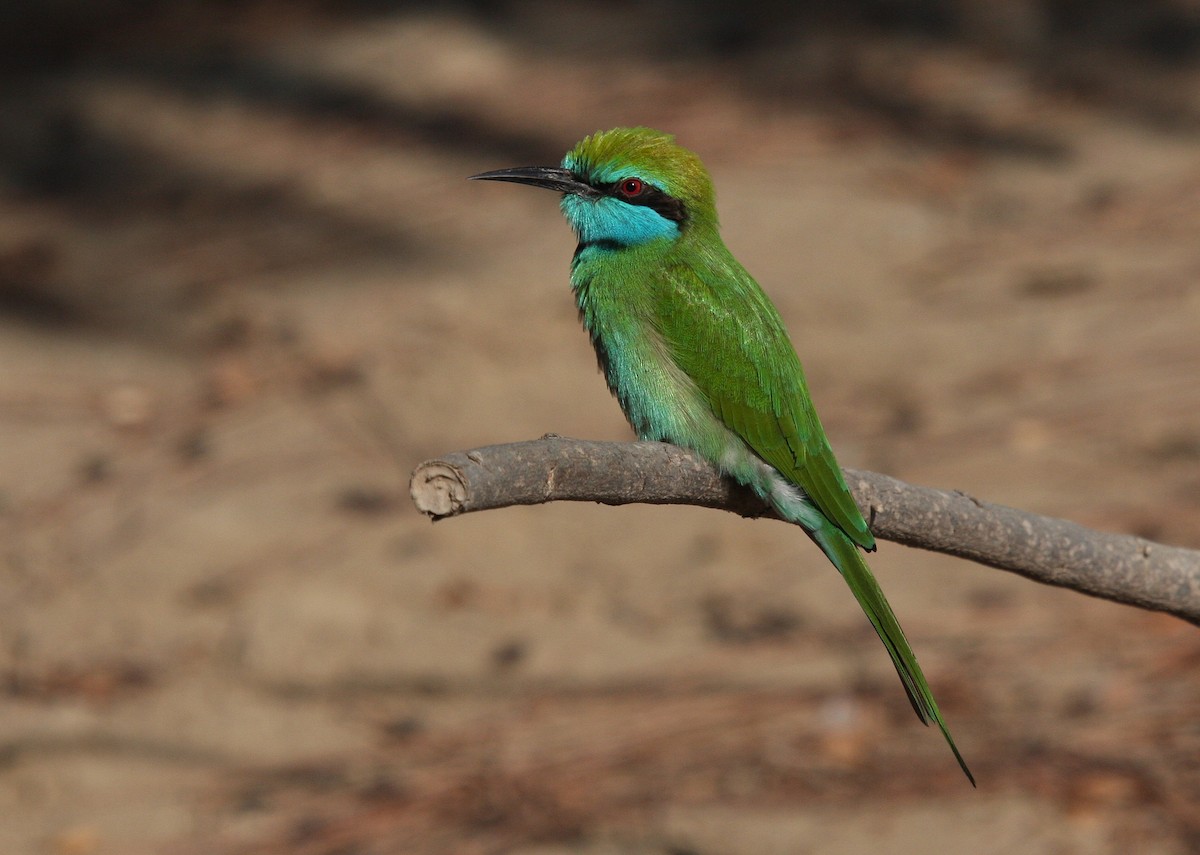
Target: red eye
(630, 187)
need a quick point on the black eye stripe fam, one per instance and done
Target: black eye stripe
(651, 197)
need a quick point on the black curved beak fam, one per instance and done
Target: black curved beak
(548, 177)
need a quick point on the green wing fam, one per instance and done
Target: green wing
(726, 335)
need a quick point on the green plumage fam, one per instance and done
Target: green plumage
(697, 355)
(758, 389)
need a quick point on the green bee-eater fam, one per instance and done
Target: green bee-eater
(697, 354)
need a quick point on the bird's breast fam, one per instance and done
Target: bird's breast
(658, 397)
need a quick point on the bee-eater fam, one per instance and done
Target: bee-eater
(697, 354)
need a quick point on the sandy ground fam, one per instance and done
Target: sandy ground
(236, 314)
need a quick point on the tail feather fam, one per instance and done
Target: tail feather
(849, 562)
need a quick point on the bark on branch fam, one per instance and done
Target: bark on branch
(1116, 567)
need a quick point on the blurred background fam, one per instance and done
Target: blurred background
(244, 289)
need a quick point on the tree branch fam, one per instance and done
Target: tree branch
(1116, 567)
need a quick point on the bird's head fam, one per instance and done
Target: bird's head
(625, 187)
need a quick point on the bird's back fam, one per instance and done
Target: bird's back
(697, 355)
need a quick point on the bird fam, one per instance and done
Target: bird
(697, 355)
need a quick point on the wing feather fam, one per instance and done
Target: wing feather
(731, 341)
